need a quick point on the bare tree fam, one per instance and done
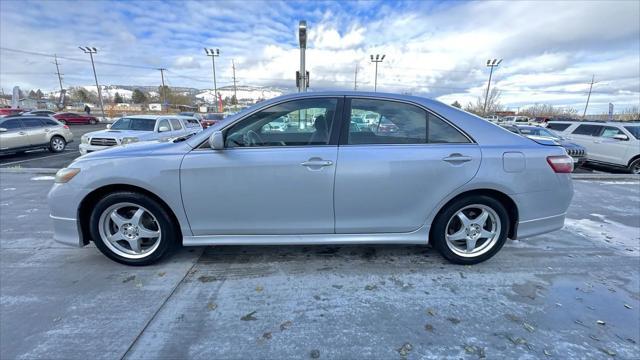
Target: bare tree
(546, 110)
(632, 113)
(493, 104)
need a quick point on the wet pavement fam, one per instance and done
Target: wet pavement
(574, 293)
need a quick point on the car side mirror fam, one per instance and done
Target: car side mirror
(621, 137)
(108, 126)
(216, 141)
(3, 130)
(163, 129)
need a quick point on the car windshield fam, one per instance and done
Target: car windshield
(538, 132)
(134, 124)
(634, 130)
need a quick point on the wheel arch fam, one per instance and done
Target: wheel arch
(504, 199)
(633, 158)
(87, 203)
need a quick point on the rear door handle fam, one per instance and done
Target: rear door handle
(457, 158)
(316, 163)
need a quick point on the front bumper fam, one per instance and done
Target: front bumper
(87, 148)
(64, 201)
(66, 231)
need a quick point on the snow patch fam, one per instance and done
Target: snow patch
(622, 237)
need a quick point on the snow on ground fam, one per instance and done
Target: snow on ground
(622, 237)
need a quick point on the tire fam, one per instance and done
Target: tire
(448, 224)
(154, 220)
(57, 144)
(634, 167)
(92, 122)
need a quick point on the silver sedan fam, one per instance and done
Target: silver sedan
(423, 172)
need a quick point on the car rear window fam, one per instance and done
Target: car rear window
(591, 130)
(192, 123)
(134, 124)
(634, 130)
(557, 126)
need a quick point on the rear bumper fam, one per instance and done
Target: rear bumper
(539, 226)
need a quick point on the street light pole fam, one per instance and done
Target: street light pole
(302, 36)
(91, 51)
(213, 53)
(490, 64)
(376, 60)
(164, 90)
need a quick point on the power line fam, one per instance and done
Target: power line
(75, 59)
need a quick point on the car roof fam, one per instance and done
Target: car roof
(156, 117)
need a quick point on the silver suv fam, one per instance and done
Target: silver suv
(138, 128)
(614, 144)
(22, 133)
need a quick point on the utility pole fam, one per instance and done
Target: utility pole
(355, 79)
(164, 90)
(490, 64)
(584, 114)
(58, 72)
(213, 53)
(235, 89)
(91, 51)
(376, 60)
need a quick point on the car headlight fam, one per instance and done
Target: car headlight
(84, 139)
(129, 140)
(65, 174)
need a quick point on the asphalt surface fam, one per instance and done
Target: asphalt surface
(574, 293)
(47, 159)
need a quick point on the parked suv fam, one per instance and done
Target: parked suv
(18, 134)
(577, 152)
(139, 128)
(608, 143)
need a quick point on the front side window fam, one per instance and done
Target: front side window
(163, 125)
(590, 130)
(176, 124)
(134, 124)
(390, 122)
(294, 123)
(610, 132)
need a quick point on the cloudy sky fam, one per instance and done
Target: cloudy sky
(435, 49)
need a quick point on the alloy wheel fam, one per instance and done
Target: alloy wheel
(57, 144)
(473, 230)
(129, 230)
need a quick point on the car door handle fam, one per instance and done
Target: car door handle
(316, 163)
(597, 141)
(457, 158)
(22, 133)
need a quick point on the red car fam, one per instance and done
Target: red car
(73, 118)
(9, 111)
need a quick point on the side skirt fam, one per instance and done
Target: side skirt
(420, 236)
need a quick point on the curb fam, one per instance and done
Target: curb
(21, 170)
(605, 177)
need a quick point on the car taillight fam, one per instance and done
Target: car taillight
(561, 164)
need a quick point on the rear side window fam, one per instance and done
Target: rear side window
(31, 123)
(11, 124)
(192, 123)
(50, 122)
(558, 127)
(591, 130)
(176, 124)
(390, 122)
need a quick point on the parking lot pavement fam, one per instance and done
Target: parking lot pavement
(47, 159)
(574, 293)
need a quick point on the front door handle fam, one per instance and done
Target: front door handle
(457, 158)
(316, 162)
(22, 133)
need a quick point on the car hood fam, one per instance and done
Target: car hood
(137, 150)
(119, 134)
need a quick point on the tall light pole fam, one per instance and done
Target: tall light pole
(376, 60)
(213, 53)
(164, 91)
(490, 64)
(302, 76)
(91, 51)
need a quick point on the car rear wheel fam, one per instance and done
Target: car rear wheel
(634, 167)
(92, 121)
(132, 228)
(57, 144)
(470, 230)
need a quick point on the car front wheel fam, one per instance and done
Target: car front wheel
(57, 144)
(470, 230)
(634, 167)
(132, 228)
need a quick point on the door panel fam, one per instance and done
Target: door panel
(13, 138)
(261, 190)
(35, 131)
(393, 188)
